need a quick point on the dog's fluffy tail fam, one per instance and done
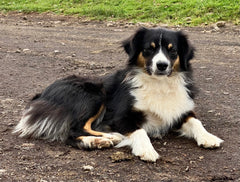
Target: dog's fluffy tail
(42, 120)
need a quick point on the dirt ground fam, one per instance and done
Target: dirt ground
(35, 50)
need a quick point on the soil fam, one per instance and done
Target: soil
(35, 50)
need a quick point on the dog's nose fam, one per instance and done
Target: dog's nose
(162, 66)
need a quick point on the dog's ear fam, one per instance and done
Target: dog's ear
(133, 44)
(186, 51)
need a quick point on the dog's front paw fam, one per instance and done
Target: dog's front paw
(208, 140)
(141, 145)
(149, 155)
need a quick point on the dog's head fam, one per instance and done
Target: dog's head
(159, 51)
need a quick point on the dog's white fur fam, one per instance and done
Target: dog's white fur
(141, 145)
(163, 99)
(193, 128)
(160, 58)
(44, 126)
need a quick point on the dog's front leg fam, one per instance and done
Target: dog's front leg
(193, 128)
(141, 145)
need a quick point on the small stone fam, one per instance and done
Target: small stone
(26, 50)
(208, 79)
(49, 168)
(87, 168)
(10, 124)
(28, 146)
(192, 162)
(226, 93)
(210, 111)
(43, 180)
(216, 28)
(201, 157)
(57, 22)
(187, 169)
(117, 30)
(57, 52)
(2, 171)
(221, 24)
(110, 25)
(69, 58)
(131, 23)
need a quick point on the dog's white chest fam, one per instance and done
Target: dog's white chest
(163, 99)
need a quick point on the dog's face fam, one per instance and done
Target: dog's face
(159, 51)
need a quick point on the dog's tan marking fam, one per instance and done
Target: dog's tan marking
(80, 138)
(141, 61)
(176, 64)
(170, 46)
(87, 127)
(190, 115)
(153, 45)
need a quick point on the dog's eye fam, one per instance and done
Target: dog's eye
(148, 51)
(172, 53)
(171, 49)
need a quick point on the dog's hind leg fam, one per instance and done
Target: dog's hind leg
(94, 142)
(96, 139)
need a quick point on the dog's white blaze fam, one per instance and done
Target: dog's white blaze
(164, 99)
(193, 128)
(160, 58)
(141, 145)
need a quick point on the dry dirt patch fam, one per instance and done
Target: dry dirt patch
(35, 50)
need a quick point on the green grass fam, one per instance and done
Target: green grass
(172, 12)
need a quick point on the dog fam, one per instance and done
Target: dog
(152, 95)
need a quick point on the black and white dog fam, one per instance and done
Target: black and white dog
(151, 96)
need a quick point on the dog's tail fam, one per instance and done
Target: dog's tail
(42, 120)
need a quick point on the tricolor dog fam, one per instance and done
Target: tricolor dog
(153, 94)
